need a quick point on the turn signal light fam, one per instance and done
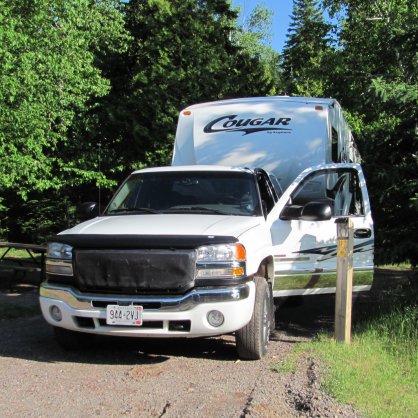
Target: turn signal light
(240, 254)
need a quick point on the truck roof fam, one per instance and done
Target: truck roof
(254, 100)
(194, 168)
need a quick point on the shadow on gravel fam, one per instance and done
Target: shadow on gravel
(304, 316)
(33, 339)
(215, 348)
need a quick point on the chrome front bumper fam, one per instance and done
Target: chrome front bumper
(236, 303)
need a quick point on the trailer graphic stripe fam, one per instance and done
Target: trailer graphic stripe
(330, 251)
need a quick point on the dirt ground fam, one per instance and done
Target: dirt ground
(154, 378)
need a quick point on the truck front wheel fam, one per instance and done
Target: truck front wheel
(252, 340)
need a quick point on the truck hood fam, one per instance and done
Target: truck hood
(162, 224)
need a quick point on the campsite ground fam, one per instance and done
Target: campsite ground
(154, 378)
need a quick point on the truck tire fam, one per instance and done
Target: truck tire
(252, 340)
(72, 340)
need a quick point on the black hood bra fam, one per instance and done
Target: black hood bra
(106, 241)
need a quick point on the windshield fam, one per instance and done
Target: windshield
(225, 193)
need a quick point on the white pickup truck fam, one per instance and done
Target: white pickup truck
(201, 248)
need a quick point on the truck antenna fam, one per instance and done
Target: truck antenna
(99, 144)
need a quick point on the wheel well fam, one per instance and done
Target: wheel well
(266, 269)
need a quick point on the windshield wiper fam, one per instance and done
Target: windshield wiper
(196, 209)
(133, 210)
(207, 210)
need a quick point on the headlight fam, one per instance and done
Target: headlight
(225, 252)
(60, 251)
(59, 259)
(220, 261)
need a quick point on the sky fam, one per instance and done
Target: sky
(281, 9)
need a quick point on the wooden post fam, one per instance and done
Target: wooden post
(344, 288)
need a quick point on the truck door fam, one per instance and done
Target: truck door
(304, 233)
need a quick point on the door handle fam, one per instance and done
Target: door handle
(362, 233)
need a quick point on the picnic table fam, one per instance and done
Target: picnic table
(24, 265)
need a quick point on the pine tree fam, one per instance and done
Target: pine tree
(305, 49)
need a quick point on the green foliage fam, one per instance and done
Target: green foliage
(254, 38)
(398, 332)
(40, 215)
(380, 49)
(50, 84)
(305, 52)
(181, 52)
(48, 79)
(85, 83)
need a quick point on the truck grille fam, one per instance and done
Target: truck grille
(134, 271)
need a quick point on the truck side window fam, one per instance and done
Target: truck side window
(347, 196)
(338, 188)
(357, 206)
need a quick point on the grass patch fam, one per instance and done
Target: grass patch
(367, 376)
(378, 372)
(21, 254)
(288, 364)
(401, 266)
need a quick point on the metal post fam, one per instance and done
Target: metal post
(344, 288)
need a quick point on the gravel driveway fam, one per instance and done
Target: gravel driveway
(154, 378)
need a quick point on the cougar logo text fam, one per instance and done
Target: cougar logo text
(232, 123)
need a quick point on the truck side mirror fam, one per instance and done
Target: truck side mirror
(316, 211)
(290, 212)
(88, 210)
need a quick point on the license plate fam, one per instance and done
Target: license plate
(124, 315)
